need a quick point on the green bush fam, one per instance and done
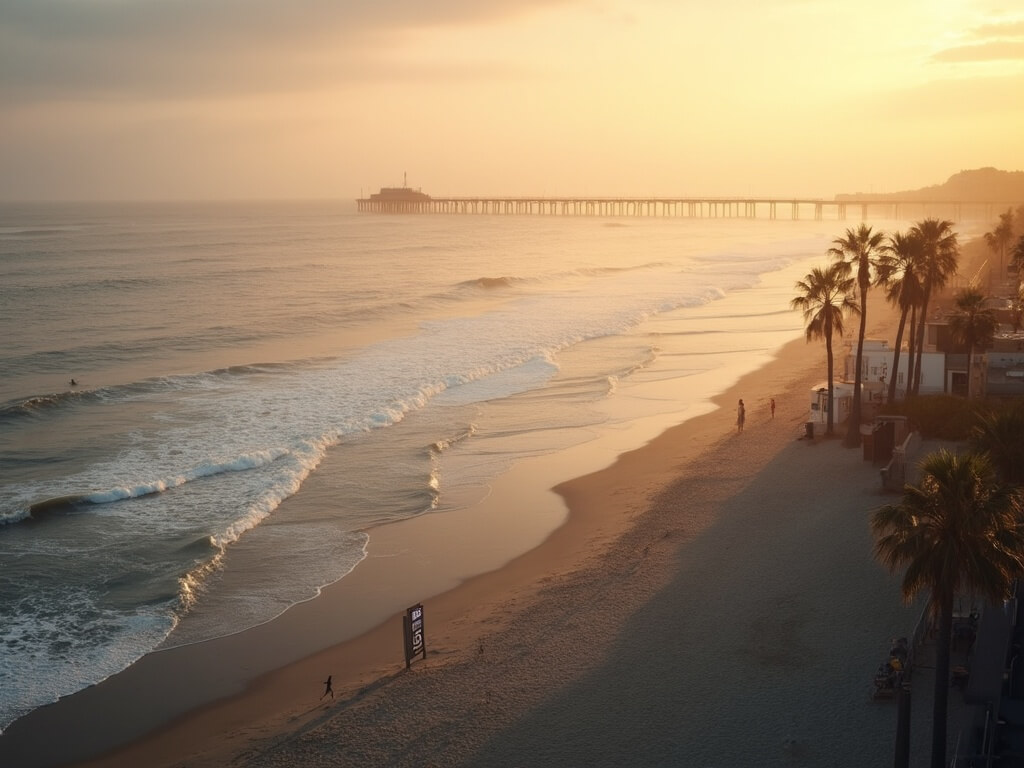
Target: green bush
(939, 417)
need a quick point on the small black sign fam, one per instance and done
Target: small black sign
(415, 642)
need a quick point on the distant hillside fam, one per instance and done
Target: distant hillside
(983, 185)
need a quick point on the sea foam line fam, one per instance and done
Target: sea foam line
(242, 463)
(239, 464)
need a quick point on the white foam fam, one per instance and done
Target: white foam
(14, 516)
(238, 464)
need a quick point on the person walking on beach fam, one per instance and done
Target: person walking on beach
(741, 416)
(773, 407)
(327, 687)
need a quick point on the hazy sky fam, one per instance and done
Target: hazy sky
(162, 99)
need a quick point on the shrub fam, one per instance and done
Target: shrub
(939, 417)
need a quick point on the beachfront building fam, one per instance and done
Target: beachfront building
(877, 359)
(1004, 374)
(943, 366)
(939, 336)
(998, 372)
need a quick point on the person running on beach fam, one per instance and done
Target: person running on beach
(741, 416)
(773, 407)
(327, 687)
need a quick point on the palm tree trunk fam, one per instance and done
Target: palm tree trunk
(831, 397)
(911, 349)
(942, 651)
(921, 327)
(853, 430)
(896, 355)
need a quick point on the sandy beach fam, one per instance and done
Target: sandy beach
(316, 313)
(711, 599)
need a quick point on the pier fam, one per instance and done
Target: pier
(405, 201)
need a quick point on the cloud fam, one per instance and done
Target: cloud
(86, 49)
(995, 41)
(1004, 29)
(998, 50)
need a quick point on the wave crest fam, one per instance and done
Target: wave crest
(491, 283)
(69, 503)
(238, 464)
(38, 404)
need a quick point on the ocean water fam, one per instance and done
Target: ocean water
(221, 352)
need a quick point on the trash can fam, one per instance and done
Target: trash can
(809, 430)
(885, 439)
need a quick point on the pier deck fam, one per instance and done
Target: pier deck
(687, 207)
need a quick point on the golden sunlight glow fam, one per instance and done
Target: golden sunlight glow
(612, 97)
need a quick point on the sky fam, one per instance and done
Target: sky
(304, 99)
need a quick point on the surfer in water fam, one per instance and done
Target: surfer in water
(73, 383)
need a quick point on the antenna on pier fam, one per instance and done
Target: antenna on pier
(405, 179)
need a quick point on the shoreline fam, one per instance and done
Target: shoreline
(603, 663)
(282, 700)
(367, 658)
(272, 696)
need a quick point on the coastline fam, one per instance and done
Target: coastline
(252, 714)
(269, 697)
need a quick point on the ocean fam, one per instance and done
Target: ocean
(222, 352)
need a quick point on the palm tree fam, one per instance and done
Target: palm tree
(859, 250)
(1017, 257)
(939, 253)
(1000, 434)
(973, 325)
(997, 240)
(958, 529)
(897, 272)
(824, 299)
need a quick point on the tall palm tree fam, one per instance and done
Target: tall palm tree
(997, 240)
(939, 251)
(897, 273)
(824, 299)
(958, 529)
(973, 325)
(859, 250)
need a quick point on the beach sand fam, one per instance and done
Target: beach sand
(711, 599)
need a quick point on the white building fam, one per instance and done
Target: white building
(842, 396)
(877, 360)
